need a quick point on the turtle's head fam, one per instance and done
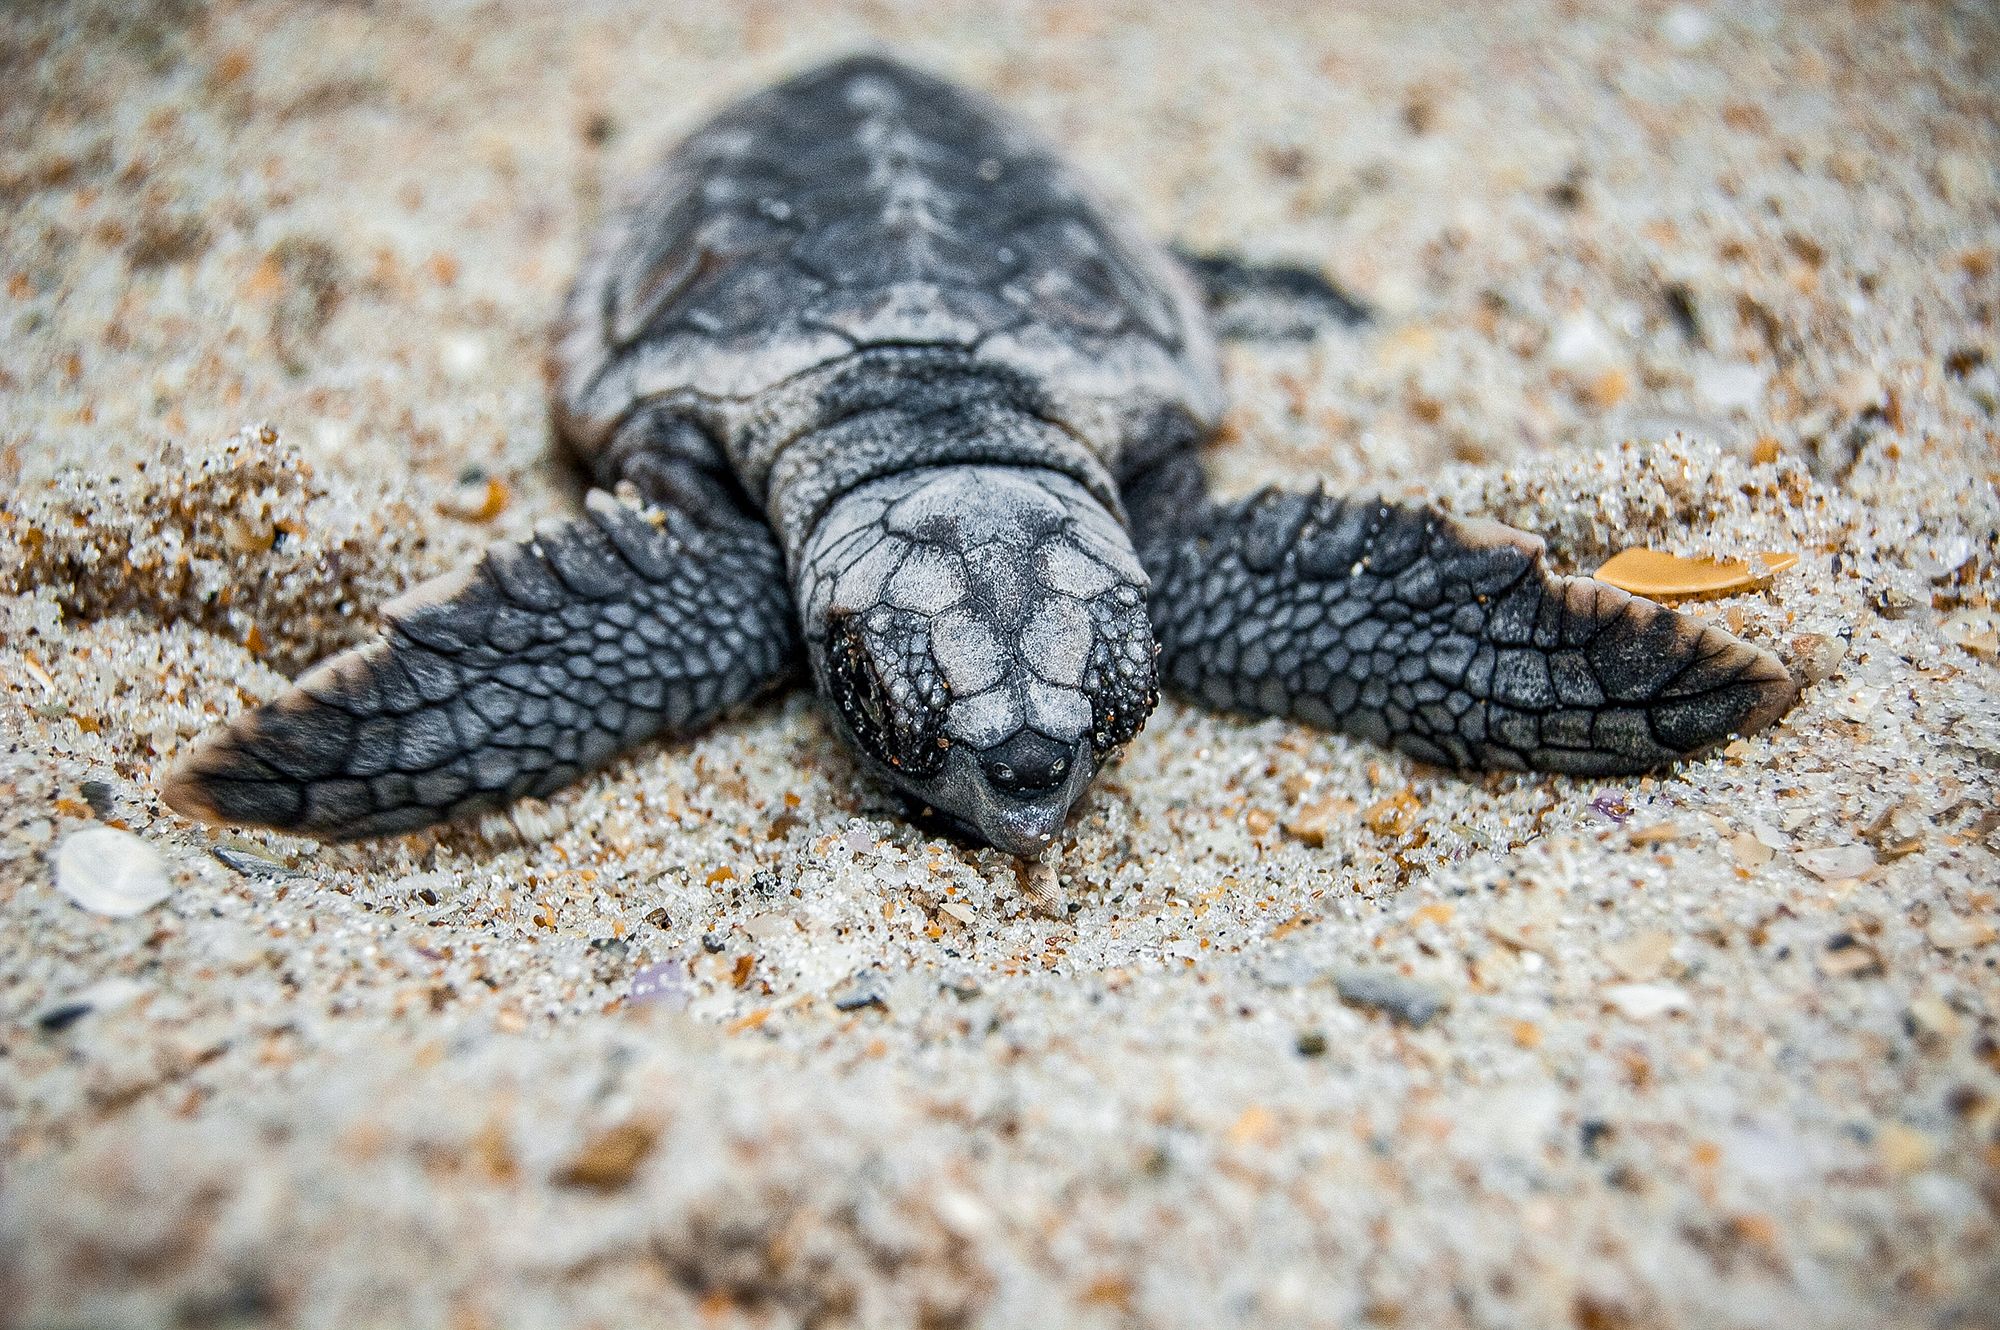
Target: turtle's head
(981, 632)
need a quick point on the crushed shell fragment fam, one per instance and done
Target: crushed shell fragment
(111, 872)
(1661, 575)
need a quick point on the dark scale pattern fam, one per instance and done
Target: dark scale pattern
(981, 631)
(882, 680)
(867, 206)
(1444, 638)
(1119, 679)
(510, 679)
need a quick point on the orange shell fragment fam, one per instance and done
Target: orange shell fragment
(1665, 576)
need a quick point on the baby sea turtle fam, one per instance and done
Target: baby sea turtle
(873, 389)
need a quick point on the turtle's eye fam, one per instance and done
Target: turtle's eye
(892, 709)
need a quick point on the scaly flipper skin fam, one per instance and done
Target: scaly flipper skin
(1443, 637)
(510, 678)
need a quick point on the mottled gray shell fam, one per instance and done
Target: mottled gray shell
(864, 209)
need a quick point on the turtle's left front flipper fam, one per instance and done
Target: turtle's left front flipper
(1443, 637)
(510, 678)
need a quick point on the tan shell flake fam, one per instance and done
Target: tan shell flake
(476, 499)
(1976, 630)
(1663, 576)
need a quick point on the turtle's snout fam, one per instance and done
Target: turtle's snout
(1022, 789)
(1029, 763)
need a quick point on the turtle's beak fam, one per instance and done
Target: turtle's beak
(1023, 816)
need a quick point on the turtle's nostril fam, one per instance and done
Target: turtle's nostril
(1028, 763)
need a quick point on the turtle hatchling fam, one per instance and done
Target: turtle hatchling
(873, 390)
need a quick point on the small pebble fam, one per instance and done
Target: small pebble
(59, 1016)
(768, 925)
(1640, 956)
(713, 943)
(1312, 1043)
(961, 985)
(250, 863)
(1899, 831)
(864, 988)
(106, 995)
(1748, 851)
(1409, 1001)
(1951, 933)
(1581, 345)
(1817, 655)
(610, 1159)
(1848, 957)
(1858, 705)
(1686, 27)
(101, 797)
(1393, 816)
(1893, 602)
(1656, 833)
(1768, 836)
(476, 498)
(663, 983)
(1612, 805)
(1644, 1002)
(1905, 1150)
(111, 872)
(1313, 823)
(1832, 863)
(1932, 1022)
(1974, 630)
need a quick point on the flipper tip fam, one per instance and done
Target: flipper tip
(187, 791)
(1773, 690)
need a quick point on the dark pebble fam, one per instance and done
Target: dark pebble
(251, 864)
(1401, 999)
(866, 988)
(99, 795)
(59, 1018)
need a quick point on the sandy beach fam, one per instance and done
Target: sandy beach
(1304, 1033)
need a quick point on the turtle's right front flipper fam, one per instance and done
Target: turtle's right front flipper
(1444, 637)
(510, 678)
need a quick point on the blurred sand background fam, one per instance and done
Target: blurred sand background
(715, 1038)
